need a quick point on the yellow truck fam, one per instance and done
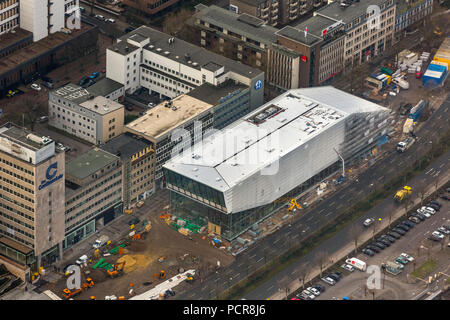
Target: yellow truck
(403, 194)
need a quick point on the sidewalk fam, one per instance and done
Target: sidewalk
(336, 256)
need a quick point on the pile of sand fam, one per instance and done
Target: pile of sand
(135, 261)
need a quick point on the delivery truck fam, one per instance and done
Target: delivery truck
(358, 264)
(402, 146)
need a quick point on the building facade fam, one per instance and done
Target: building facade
(31, 197)
(80, 112)
(93, 194)
(409, 12)
(234, 178)
(150, 7)
(9, 15)
(138, 161)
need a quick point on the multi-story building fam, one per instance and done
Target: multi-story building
(266, 10)
(137, 157)
(85, 114)
(31, 199)
(369, 27)
(150, 7)
(320, 41)
(236, 177)
(9, 15)
(409, 12)
(44, 17)
(169, 66)
(93, 194)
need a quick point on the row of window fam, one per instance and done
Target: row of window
(17, 176)
(168, 70)
(2, 214)
(16, 238)
(17, 194)
(20, 213)
(17, 185)
(31, 173)
(148, 183)
(17, 203)
(29, 235)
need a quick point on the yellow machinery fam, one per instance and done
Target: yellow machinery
(294, 205)
(117, 270)
(403, 194)
(67, 294)
(190, 278)
(160, 275)
(88, 284)
(438, 31)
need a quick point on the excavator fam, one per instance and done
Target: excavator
(189, 278)
(294, 204)
(67, 293)
(160, 275)
(403, 194)
(117, 270)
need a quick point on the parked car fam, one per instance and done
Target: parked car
(428, 210)
(433, 206)
(99, 17)
(309, 294)
(333, 276)
(139, 204)
(368, 252)
(445, 197)
(368, 222)
(399, 231)
(419, 216)
(110, 20)
(386, 242)
(394, 234)
(402, 227)
(374, 248)
(42, 119)
(319, 287)
(446, 226)
(402, 260)
(388, 238)
(302, 296)
(338, 274)
(435, 202)
(380, 245)
(89, 83)
(83, 81)
(82, 259)
(329, 281)
(433, 237)
(407, 256)
(438, 234)
(36, 87)
(94, 75)
(150, 105)
(314, 291)
(443, 230)
(408, 223)
(348, 267)
(414, 219)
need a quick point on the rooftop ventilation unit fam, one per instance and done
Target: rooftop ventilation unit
(159, 49)
(195, 156)
(151, 46)
(194, 64)
(166, 53)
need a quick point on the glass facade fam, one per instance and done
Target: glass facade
(79, 234)
(232, 109)
(186, 203)
(17, 256)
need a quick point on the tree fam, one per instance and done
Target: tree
(175, 21)
(406, 205)
(321, 259)
(437, 179)
(354, 233)
(304, 273)
(421, 190)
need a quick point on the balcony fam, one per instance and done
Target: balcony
(274, 5)
(264, 15)
(303, 11)
(293, 11)
(293, 4)
(317, 3)
(264, 10)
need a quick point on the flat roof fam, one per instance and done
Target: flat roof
(101, 105)
(223, 159)
(315, 25)
(16, 245)
(348, 14)
(89, 162)
(299, 35)
(125, 145)
(38, 48)
(104, 86)
(236, 23)
(212, 94)
(178, 49)
(19, 135)
(8, 39)
(160, 119)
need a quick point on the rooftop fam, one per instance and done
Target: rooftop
(161, 119)
(16, 245)
(101, 105)
(315, 25)
(36, 49)
(178, 49)
(237, 23)
(299, 35)
(213, 94)
(104, 87)
(125, 145)
(88, 163)
(348, 14)
(21, 136)
(224, 159)
(8, 39)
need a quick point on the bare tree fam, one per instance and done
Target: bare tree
(175, 21)
(304, 273)
(321, 257)
(354, 233)
(421, 190)
(406, 205)
(437, 179)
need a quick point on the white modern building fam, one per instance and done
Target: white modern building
(232, 179)
(170, 67)
(43, 17)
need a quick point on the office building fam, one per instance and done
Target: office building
(9, 15)
(84, 114)
(170, 67)
(137, 157)
(31, 199)
(149, 7)
(232, 179)
(410, 12)
(93, 194)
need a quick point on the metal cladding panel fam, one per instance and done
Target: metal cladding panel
(294, 168)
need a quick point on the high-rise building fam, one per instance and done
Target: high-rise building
(32, 188)
(9, 15)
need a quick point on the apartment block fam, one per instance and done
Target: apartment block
(31, 199)
(85, 114)
(170, 67)
(9, 15)
(138, 166)
(266, 10)
(409, 12)
(149, 7)
(93, 194)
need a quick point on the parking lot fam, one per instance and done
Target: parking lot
(415, 243)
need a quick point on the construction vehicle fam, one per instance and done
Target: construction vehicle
(402, 146)
(67, 293)
(117, 270)
(189, 278)
(403, 194)
(437, 31)
(161, 275)
(294, 205)
(161, 259)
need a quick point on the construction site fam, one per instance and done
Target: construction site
(149, 255)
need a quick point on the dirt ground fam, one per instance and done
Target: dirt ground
(141, 258)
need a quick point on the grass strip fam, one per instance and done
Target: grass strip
(425, 269)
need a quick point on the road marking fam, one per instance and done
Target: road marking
(442, 165)
(270, 288)
(252, 256)
(320, 211)
(328, 214)
(259, 260)
(332, 204)
(276, 240)
(237, 275)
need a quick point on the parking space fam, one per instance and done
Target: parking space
(406, 255)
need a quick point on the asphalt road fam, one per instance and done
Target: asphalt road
(314, 218)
